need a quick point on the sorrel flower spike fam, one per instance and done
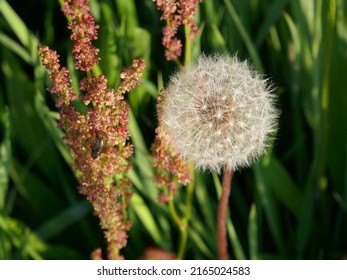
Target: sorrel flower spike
(83, 32)
(219, 113)
(99, 138)
(172, 170)
(176, 13)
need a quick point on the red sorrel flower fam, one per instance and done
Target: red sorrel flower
(99, 139)
(171, 168)
(176, 13)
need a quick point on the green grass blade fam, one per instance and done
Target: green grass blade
(244, 35)
(253, 233)
(63, 220)
(269, 205)
(196, 239)
(282, 185)
(5, 159)
(146, 218)
(205, 204)
(127, 10)
(15, 22)
(142, 162)
(305, 223)
(341, 201)
(218, 39)
(203, 242)
(271, 17)
(51, 126)
(235, 242)
(24, 35)
(141, 152)
(15, 47)
(19, 240)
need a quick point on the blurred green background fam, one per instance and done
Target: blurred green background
(292, 204)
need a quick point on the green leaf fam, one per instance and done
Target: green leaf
(217, 38)
(269, 204)
(201, 239)
(15, 47)
(18, 241)
(127, 10)
(146, 218)
(283, 186)
(24, 35)
(306, 221)
(205, 203)
(55, 225)
(5, 159)
(139, 143)
(244, 35)
(273, 13)
(51, 125)
(253, 233)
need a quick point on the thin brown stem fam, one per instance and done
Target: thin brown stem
(222, 215)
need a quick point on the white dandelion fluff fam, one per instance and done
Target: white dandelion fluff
(218, 113)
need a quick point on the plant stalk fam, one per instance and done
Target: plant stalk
(188, 46)
(222, 215)
(182, 222)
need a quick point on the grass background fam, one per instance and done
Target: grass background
(292, 204)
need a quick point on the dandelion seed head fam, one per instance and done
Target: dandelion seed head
(218, 113)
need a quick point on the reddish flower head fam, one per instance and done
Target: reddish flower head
(84, 30)
(176, 13)
(98, 139)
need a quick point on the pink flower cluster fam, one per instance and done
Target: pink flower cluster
(99, 139)
(172, 170)
(176, 13)
(83, 31)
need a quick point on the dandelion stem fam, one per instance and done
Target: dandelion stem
(222, 215)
